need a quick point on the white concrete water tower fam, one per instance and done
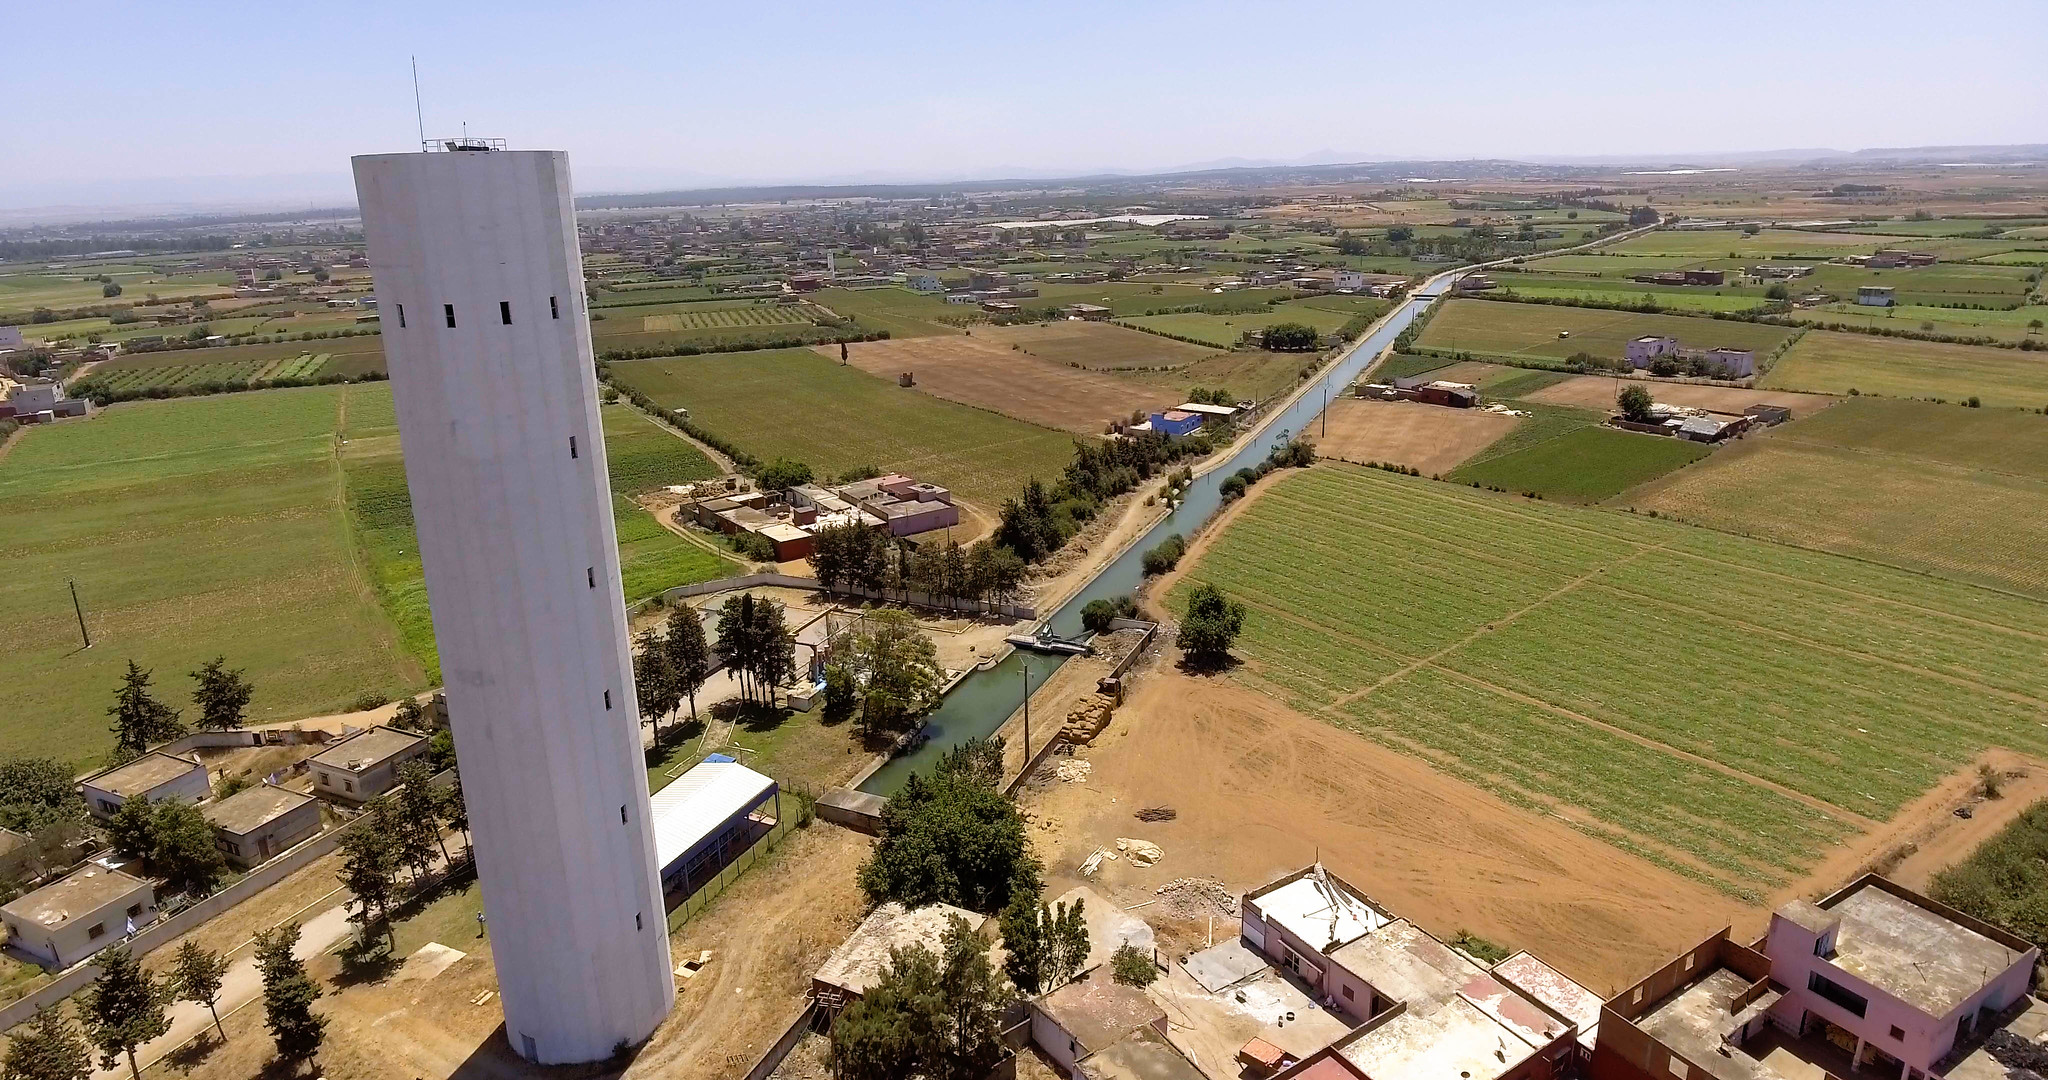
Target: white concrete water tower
(479, 283)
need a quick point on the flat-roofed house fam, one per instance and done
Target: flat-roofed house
(78, 915)
(365, 765)
(1873, 981)
(155, 776)
(1088, 1016)
(1302, 917)
(857, 964)
(255, 824)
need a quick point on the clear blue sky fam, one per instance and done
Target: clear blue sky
(204, 101)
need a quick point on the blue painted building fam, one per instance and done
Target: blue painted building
(1174, 423)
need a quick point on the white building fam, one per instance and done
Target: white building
(1874, 295)
(62, 923)
(475, 259)
(155, 776)
(1351, 281)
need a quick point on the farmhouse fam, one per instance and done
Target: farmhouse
(254, 824)
(857, 964)
(1731, 363)
(1450, 394)
(154, 776)
(1091, 1014)
(365, 765)
(1174, 423)
(1874, 980)
(34, 401)
(905, 506)
(1088, 312)
(62, 923)
(1780, 272)
(1874, 295)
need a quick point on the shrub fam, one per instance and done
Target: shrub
(1165, 556)
(1132, 966)
(1098, 614)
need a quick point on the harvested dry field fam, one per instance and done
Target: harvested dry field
(1598, 392)
(974, 370)
(1259, 789)
(1428, 437)
(1099, 346)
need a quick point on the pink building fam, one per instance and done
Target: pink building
(905, 505)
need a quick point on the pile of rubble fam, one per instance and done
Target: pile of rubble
(1087, 719)
(1196, 898)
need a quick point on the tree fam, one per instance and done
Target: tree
(1028, 528)
(196, 973)
(1098, 614)
(950, 839)
(221, 695)
(783, 474)
(412, 846)
(123, 1008)
(48, 1047)
(1348, 244)
(997, 572)
(369, 870)
(1023, 942)
(654, 684)
(288, 996)
(1642, 215)
(183, 848)
(419, 805)
(689, 657)
(757, 645)
(110, 290)
(411, 716)
(896, 668)
(1165, 556)
(140, 720)
(1777, 291)
(1066, 943)
(454, 808)
(2034, 325)
(1210, 627)
(1290, 337)
(842, 695)
(1635, 404)
(1132, 966)
(133, 826)
(931, 1015)
(36, 793)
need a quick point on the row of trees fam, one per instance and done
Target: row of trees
(403, 834)
(670, 667)
(886, 673)
(173, 839)
(125, 1007)
(221, 695)
(852, 556)
(1041, 519)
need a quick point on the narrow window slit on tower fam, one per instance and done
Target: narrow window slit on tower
(607, 699)
(590, 572)
(554, 309)
(505, 312)
(401, 316)
(449, 310)
(622, 813)
(572, 446)
(637, 925)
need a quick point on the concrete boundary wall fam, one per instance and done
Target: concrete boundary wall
(791, 581)
(209, 740)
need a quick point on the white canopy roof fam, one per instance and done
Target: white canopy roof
(697, 803)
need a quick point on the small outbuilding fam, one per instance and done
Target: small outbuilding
(1090, 1015)
(365, 765)
(254, 824)
(857, 964)
(154, 776)
(66, 921)
(1874, 295)
(708, 815)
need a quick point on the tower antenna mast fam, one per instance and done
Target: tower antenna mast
(418, 113)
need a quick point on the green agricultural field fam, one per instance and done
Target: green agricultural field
(644, 456)
(1225, 331)
(1600, 265)
(1608, 291)
(1837, 363)
(193, 528)
(1768, 244)
(796, 403)
(1943, 226)
(1943, 283)
(1729, 708)
(901, 312)
(720, 317)
(1937, 489)
(1529, 332)
(2011, 324)
(1584, 464)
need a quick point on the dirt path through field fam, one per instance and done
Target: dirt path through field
(1260, 789)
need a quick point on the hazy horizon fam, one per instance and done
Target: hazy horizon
(253, 113)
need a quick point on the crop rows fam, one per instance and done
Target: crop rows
(302, 366)
(175, 375)
(723, 318)
(1578, 658)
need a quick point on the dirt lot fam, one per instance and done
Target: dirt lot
(1260, 790)
(1428, 437)
(1598, 392)
(1097, 345)
(977, 370)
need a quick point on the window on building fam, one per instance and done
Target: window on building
(554, 309)
(449, 310)
(1348, 995)
(134, 910)
(1898, 1033)
(1824, 945)
(108, 805)
(637, 925)
(1832, 991)
(572, 447)
(348, 785)
(622, 813)
(1677, 1067)
(590, 574)
(401, 316)
(607, 699)
(98, 930)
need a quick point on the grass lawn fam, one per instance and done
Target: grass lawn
(2007, 325)
(1768, 244)
(1529, 332)
(1584, 464)
(448, 918)
(1225, 331)
(1936, 489)
(193, 528)
(1837, 363)
(1603, 290)
(796, 403)
(1567, 659)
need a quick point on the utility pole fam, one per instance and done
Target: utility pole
(80, 609)
(1326, 408)
(1025, 666)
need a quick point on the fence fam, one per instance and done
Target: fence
(259, 737)
(791, 581)
(696, 902)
